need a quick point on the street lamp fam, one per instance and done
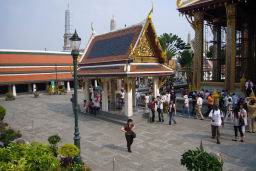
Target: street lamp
(75, 44)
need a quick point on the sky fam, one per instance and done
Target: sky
(39, 24)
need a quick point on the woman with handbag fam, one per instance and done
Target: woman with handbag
(129, 133)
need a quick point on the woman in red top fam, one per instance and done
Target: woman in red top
(129, 134)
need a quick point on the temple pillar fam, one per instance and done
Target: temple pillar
(155, 86)
(245, 50)
(146, 81)
(119, 84)
(14, 93)
(134, 92)
(68, 86)
(95, 83)
(128, 98)
(34, 88)
(104, 95)
(198, 26)
(230, 47)
(217, 51)
(113, 93)
(86, 90)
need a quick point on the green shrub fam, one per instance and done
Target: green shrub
(9, 97)
(53, 141)
(2, 113)
(9, 135)
(68, 150)
(200, 160)
(76, 167)
(28, 157)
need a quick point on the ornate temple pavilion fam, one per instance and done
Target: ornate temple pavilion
(233, 27)
(123, 55)
(28, 71)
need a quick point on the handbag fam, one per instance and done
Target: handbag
(241, 121)
(133, 134)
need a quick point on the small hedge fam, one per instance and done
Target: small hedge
(2, 113)
(9, 97)
(29, 157)
(8, 135)
(69, 150)
(200, 160)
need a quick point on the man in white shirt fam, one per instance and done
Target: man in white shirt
(215, 115)
(168, 97)
(199, 104)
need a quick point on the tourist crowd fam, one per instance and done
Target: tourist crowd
(221, 107)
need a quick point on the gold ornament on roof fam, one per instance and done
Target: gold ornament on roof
(182, 3)
(144, 48)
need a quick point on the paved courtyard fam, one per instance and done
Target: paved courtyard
(158, 147)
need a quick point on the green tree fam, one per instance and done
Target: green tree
(185, 58)
(172, 43)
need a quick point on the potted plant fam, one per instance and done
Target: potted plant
(199, 159)
(53, 141)
(9, 96)
(36, 94)
(68, 152)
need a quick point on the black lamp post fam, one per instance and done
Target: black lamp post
(75, 44)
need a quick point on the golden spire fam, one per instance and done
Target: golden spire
(151, 11)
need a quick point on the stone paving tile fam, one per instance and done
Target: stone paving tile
(157, 146)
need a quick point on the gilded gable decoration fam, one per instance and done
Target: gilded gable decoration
(144, 48)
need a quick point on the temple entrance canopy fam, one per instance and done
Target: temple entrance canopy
(117, 58)
(233, 36)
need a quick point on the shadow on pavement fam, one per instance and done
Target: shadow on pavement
(115, 147)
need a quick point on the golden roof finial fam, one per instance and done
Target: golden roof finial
(151, 11)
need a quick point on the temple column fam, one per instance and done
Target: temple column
(217, 51)
(251, 53)
(155, 86)
(146, 81)
(95, 83)
(113, 93)
(14, 93)
(230, 47)
(68, 86)
(128, 98)
(104, 95)
(86, 90)
(134, 92)
(119, 84)
(245, 50)
(198, 26)
(34, 88)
